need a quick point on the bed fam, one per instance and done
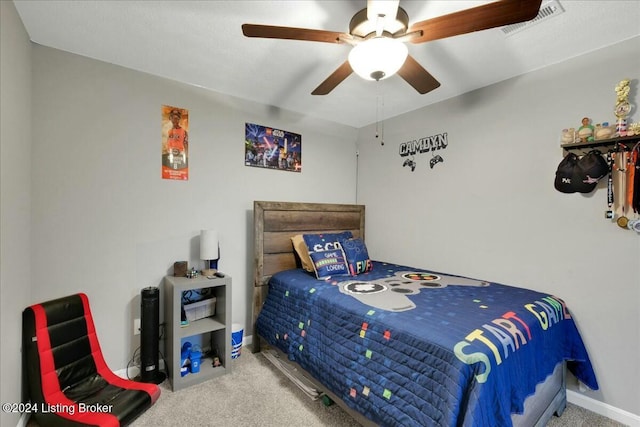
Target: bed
(439, 349)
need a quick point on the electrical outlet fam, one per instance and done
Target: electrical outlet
(136, 326)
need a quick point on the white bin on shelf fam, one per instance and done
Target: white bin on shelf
(200, 309)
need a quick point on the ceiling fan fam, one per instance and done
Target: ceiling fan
(379, 32)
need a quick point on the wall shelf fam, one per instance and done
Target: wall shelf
(605, 144)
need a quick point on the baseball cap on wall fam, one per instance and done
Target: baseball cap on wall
(580, 175)
(565, 174)
(589, 169)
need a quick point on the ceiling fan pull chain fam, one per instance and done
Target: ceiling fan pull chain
(382, 121)
(377, 115)
(379, 122)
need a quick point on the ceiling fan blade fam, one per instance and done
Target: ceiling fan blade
(292, 33)
(491, 15)
(334, 79)
(414, 74)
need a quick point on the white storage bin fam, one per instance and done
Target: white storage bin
(200, 309)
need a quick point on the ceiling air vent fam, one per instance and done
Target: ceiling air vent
(548, 10)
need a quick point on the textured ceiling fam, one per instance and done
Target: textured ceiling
(201, 43)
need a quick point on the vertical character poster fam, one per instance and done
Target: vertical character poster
(175, 143)
(266, 147)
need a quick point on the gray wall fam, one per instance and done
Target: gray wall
(16, 261)
(490, 209)
(105, 223)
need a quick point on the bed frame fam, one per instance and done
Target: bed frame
(274, 225)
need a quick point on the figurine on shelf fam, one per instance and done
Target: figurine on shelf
(585, 132)
(568, 136)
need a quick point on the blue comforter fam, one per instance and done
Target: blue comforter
(409, 347)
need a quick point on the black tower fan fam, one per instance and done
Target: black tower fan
(150, 336)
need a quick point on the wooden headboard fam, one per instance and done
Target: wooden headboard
(274, 223)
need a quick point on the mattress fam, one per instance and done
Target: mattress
(411, 347)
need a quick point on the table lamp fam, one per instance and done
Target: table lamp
(209, 251)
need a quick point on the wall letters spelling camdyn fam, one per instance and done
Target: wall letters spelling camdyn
(423, 145)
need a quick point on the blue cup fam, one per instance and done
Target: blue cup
(195, 361)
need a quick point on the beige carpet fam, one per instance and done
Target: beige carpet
(253, 394)
(256, 394)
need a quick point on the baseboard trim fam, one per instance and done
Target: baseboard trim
(133, 371)
(603, 409)
(129, 373)
(23, 420)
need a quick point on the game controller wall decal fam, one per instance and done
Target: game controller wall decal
(411, 163)
(435, 160)
(421, 146)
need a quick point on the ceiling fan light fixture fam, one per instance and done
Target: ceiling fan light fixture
(378, 58)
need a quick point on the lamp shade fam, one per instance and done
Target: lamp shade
(378, 58)
(209, 245)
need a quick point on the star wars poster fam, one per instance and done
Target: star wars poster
(175, 143)
(271, 148)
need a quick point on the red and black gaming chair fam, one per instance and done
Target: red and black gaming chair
(65, 374)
